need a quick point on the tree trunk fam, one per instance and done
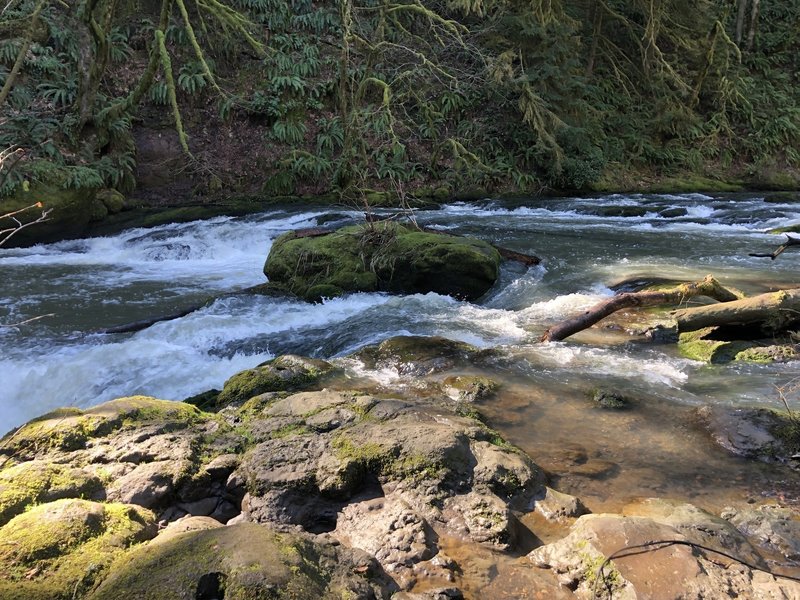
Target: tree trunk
(751, 34)
(772, 311)
(12, 77)
(709, 287)
(741, 11)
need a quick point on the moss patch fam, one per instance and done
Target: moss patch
(69, 429)
(253, 562)
(37, 481)
(60, 550)
(695, 346)
(285, 373)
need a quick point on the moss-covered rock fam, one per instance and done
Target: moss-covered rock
(60, 550)
(247, 561)
(469, 388)
(68, 429)
(699, 345)
(42, 481)
(72, 212)
(113, 200)
(382, 257)
(284, 373)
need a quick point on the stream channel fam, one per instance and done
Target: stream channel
(586, 244)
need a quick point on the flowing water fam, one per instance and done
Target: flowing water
(587, 245)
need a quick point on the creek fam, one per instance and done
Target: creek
(587, 245)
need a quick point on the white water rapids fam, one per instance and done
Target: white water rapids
(586, 244)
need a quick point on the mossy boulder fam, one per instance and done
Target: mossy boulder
(386, 257)
(69, 429)
(72, 213)
(60, 550)
(284, 373)
(42, 481)
(244, 561)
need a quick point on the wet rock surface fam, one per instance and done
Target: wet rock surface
(669, 571)
(760, 433)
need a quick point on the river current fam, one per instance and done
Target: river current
(586, 245)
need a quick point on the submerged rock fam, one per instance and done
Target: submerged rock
(385, 257)
(760, 433)
(418, 355)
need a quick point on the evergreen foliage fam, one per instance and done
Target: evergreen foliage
(365, 94)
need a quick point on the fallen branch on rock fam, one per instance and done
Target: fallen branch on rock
(709, 287)
(790, 241)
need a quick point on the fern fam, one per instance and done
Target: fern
(119, 51)
(158, 93)
(289, 131)
(192, 78)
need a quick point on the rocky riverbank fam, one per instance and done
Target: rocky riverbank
(298, 481)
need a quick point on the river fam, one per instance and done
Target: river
(586, 245)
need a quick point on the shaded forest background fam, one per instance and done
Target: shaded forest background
(353, 97)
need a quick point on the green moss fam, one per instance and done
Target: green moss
(69, 429)
(60, 550)
(30, 482)
(285, 373)
(695, 346)
(72, 212)
(590, 564)
(382, 257)
(289, 430)
(385, 461)
(768, 354)
(253, 562)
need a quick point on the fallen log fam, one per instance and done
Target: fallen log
(709, 287)
(772, 312)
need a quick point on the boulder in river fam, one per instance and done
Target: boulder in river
(382, 257)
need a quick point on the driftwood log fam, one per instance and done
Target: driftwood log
(773, 312)
(709, 287)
